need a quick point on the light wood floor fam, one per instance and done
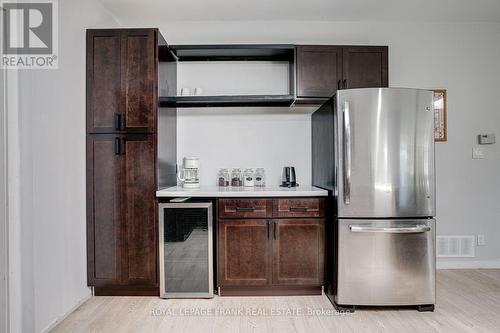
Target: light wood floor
(468, 301)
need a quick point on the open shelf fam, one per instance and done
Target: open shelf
(221, 101)
(279, 74)
(224, 52)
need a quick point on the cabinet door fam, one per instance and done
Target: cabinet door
(319, 71)
(365, 67)
(244, 252)
(140, 210)
(139, 83)
(103, 81)
(298, 251)
(104, 246)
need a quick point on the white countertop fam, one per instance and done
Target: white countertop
(267, 191)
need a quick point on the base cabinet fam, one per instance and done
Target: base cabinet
(244, 247)
(298, 252)
(103, 210)
(121, 221)
(273, 255)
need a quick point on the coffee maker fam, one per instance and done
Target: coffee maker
(189, 174)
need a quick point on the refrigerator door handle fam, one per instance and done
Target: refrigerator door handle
(391, 230)
(347, 154)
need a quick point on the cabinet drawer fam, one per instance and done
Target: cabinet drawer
(302, 207)
(245, 208)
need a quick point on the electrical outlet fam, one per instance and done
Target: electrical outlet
(481, 240)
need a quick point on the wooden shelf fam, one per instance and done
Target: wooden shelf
(225, 52)
(224, 101)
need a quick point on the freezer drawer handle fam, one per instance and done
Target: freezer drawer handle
(347, 154)
(391, 230)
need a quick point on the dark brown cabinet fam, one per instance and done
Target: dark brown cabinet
(319, 71)
(122, 161)
(273, 255)
(121, 80)
(139, 80)
(122, 211)
(298, 252)
(365, 67)
(244, 252)
(139, 209)
(103, 209)
(245, 208)
(306, 207)
(323, 69)
(103, 81)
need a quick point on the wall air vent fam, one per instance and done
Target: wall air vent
(455, 246)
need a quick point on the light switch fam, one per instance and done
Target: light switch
(477, 153)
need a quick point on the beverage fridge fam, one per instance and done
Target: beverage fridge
(373, 149)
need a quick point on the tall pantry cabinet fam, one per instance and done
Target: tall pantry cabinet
(122, 158)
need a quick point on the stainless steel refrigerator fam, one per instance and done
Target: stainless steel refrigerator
(373, 149)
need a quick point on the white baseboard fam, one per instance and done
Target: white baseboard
(467, 264)
(61, 318)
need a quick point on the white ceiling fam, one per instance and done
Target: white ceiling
(154, 11)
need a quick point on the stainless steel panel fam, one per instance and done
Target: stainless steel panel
(386, 262)
(385, 147)
(186, 254)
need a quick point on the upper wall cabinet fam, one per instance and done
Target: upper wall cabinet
(121, 80)
(103, 81)
(365, 67)
(323, 69)
(319, 71)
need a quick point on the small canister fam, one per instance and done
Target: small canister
(248, 178)
(223, 178)
(260, 177)
(236, 178)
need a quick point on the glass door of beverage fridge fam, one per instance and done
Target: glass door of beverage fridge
(186, 269)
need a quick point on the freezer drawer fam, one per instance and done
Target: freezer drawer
(386, 262)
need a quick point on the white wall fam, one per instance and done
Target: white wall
(49, 237)
(243, 137)
(461, 57)
(234, 77)
(246, 138)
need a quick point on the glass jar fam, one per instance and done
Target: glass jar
(260, 177)
(236, 178)
(223, 178)
(248, 178)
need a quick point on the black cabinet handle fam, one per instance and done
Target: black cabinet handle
(117, 146)
(245, 209)
(345, 83)
(268, 230)
(123, 148)
(274, 229)
(117, 121)
(122, 122)
(298, 209)
(338, 85)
